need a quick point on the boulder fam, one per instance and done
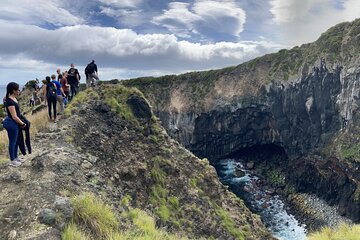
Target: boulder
(47, 217)
(140, 107)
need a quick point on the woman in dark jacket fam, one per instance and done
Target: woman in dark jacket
(51, 95)
(12, 122)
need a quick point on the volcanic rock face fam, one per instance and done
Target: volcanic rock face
(300, 116)
(297, 116)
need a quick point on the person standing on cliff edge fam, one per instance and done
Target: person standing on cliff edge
(12, 123)
(91, 72)
(73, 80)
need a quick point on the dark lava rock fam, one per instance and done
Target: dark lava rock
(14, 176)
(38, 162)
(47, 216)
(140, 107)
(63, 205)
(239, 173)
(250, 165)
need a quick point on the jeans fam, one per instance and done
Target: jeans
(60, 100)
(51, 103)
(73, 90)
(12, 129)
(90, 80)
(20, 142)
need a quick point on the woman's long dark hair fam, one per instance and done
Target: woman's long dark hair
(10, 88)
(48, 79)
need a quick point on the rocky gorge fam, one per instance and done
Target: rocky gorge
(303, 102)
(290, 118)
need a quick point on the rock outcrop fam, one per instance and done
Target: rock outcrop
(104, 147)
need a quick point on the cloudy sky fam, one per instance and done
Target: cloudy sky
(130, 38)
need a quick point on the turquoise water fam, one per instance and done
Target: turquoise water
(272, 210)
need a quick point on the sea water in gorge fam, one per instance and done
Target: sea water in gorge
(269, 206)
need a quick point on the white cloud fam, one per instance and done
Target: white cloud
(351, 9)
(203, 16)
(121, 3)
(37, 12)
(178, 19)
(127, 17)
(117, 49)
(221, 16)
(289, 10)
(304, 21)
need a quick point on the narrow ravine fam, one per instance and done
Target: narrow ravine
(267, 204)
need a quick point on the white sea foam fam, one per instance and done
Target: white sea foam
(280, 223)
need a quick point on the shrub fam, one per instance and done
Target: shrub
(80, 98)
(340, 233)
(94, 214)
(72, 232)
(144, 228)
(228, 223)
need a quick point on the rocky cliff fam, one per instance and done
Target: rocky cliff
(303, 100)
(111, 145)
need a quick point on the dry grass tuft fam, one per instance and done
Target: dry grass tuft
(341, 233)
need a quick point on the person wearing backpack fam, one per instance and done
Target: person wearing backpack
(51, 96)
(74, 80)
(91, 73)
(59, 93)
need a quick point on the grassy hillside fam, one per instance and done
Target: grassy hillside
(181, 191)
(337, 46)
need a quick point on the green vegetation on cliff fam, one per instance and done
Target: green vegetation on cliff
(158, 89)
(337, 46)
(93, 219)
(153, 173)
(340, 233)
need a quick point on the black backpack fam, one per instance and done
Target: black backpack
(90, 68)
(51, 90)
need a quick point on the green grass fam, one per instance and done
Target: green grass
(116, 96)
(158, 175)
(2, 113)
(79, 99)
(3, 160)
(356, 194)
(94, 214)
(276, 178)
(350, 152)
(228, 223)
(72, 232)
(144, 228)
(340, 233)
(198, 84)
(167, 207)
(125, 201)
(95, 220)
(174, 202)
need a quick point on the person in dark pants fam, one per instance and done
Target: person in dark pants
(51, 96)
(74, 80)
(12, 122)
(21, 143)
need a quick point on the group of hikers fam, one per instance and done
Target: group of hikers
(56, 90)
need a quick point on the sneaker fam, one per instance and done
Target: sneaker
(20, 159)
(15, 163)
